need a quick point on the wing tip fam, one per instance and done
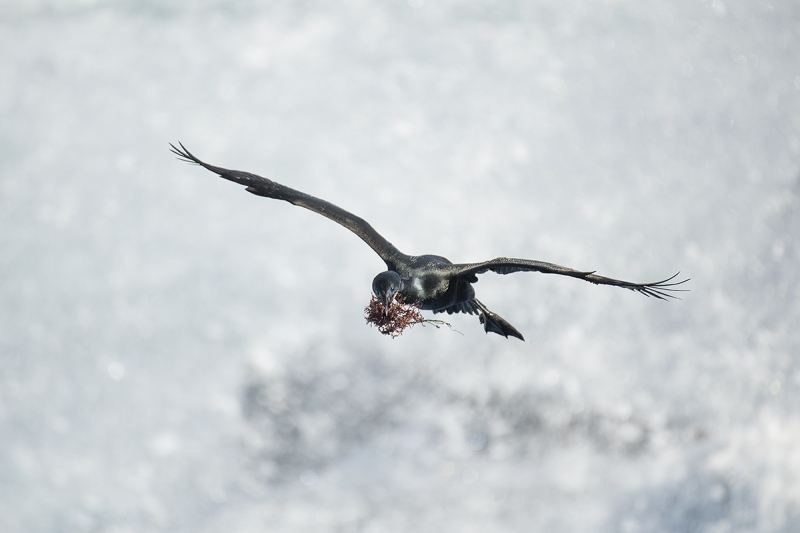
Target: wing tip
(184, 154)
(662, 289)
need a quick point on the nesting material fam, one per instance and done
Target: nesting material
(399, 317)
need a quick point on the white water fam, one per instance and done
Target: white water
(178, 355)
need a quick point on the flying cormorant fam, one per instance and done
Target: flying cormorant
(429, 281)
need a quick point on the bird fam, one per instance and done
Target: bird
(431, 282)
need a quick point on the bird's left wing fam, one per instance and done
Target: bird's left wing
(504, 265)
(264, 187)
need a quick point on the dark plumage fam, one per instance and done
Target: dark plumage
(431, 282)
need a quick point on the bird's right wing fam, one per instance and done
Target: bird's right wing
(264, 187)
(503, 265)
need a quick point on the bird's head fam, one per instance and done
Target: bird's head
(385, 286)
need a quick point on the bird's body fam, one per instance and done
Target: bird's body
(429, 281)
(425, 282)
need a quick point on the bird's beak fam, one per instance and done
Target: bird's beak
(387, 301)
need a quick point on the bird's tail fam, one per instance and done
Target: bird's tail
(495, 323)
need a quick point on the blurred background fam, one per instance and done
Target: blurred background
(178, 355)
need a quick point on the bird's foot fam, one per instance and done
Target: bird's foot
(497, 324)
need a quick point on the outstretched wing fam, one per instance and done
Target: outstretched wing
(503, 265)
(270, 189)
